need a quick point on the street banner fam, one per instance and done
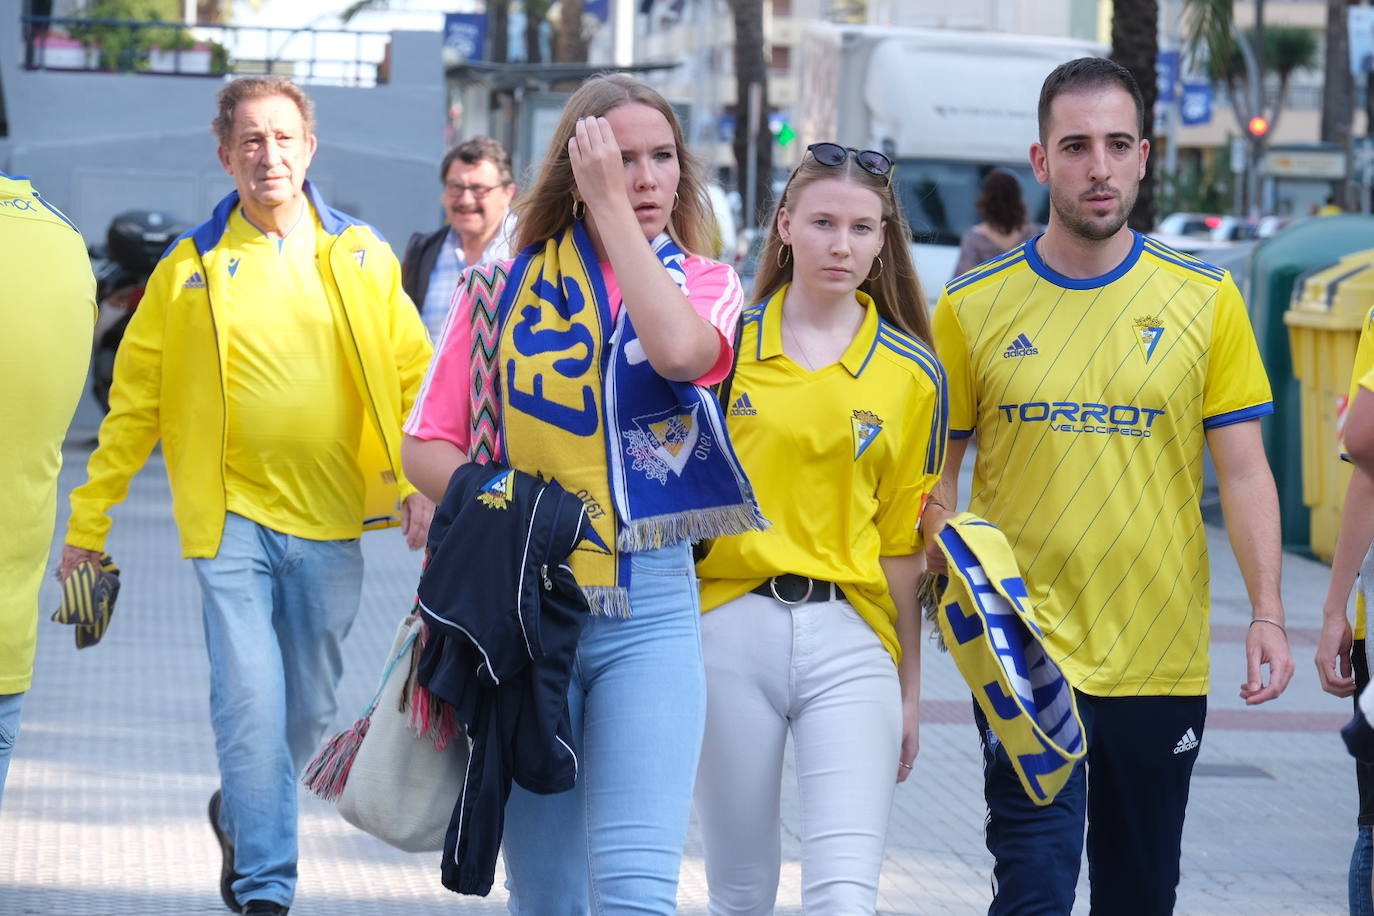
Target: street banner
(465, 35)
(1196, 106)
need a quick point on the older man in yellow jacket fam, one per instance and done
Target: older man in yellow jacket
(275, 356)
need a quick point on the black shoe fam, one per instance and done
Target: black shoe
(227, 875)
(265, 908)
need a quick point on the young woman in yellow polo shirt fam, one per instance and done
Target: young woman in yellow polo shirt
(837, 409)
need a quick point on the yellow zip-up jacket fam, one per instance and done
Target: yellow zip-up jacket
(169, 378)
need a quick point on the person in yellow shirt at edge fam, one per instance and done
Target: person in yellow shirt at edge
(839, 413)
(1342, 655)
(1093, 363)
(275, 356)
(45, 332)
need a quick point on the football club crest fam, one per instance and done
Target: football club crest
(866, 425)
(1148, 330)
(499, 491)
(663, 442)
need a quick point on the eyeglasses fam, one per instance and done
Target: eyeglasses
(871, 161)
(478, 191)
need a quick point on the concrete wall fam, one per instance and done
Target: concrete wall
(99, 143)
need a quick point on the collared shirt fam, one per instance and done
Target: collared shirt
(842, 459)
(1091, 399)
(448, 270)
(295, 415)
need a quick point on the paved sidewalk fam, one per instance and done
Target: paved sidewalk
(104, 812)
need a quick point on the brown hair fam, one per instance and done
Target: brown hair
(475, 150)
(999, 201)
(1082, 74)
(257, 87)
(546, 208)
(896, 290)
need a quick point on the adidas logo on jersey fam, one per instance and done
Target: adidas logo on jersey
(1021, 346)
(195, 281)
(743, 407)
(1186, 743)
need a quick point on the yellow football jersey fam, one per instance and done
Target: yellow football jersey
(1090, 398)
(841, 460)
(1364, 362)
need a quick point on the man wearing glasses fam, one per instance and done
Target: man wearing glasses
(477, 191)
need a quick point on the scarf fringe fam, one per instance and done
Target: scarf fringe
(608, 600)
(430, 717)
(690, 525)
(327, 774)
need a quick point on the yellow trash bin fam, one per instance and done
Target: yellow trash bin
(1330, 307)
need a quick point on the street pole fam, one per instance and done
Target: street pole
(1252, 74)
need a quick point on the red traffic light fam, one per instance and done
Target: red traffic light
(1259, 126)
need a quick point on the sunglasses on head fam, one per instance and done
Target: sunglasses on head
(832, 154)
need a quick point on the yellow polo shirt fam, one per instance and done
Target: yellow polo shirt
(45, 347)
(841, 459)
(295, 416)
(1364, 362)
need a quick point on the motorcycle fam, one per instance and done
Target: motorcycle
(134, 243)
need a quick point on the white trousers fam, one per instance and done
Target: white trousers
(819, 670)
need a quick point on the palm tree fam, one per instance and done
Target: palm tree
(1135, 46)
(751, 68)
(1338, 86)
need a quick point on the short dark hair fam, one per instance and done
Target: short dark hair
(1089, 73)
(475, 150)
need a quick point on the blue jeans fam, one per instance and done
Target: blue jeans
(276, 610)
(613, 843)
(10, 704)
(1361, 866)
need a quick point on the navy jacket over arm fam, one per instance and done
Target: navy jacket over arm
(504, 615)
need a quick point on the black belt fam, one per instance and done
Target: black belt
(791, 588)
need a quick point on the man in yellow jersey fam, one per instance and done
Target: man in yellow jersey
(1093, 363)
(275, 356)
(1342, 659)
(45, 346)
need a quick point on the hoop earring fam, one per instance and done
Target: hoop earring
(579, 214)
(880, 269)
(784, 255)
(676, 200)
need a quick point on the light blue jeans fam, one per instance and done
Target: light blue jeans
(613, 844)
(276, 610)
(10, 704)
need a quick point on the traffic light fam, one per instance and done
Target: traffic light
(1259, 126)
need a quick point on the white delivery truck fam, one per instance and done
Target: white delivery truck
(945, 105)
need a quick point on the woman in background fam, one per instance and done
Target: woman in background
(1004, 226)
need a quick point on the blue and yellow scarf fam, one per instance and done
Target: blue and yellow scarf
(580, 404)
(998, 649)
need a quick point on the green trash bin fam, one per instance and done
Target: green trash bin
(1324, 324)
(1274, 267)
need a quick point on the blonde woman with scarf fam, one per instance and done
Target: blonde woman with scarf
(838, 411)
(601, 334)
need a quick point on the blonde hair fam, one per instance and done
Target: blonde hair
(257, 87)
(896, 290)
(545, 209)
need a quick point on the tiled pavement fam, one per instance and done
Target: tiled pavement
(104, 809)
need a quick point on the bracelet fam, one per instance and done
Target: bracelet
(1269, 620)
